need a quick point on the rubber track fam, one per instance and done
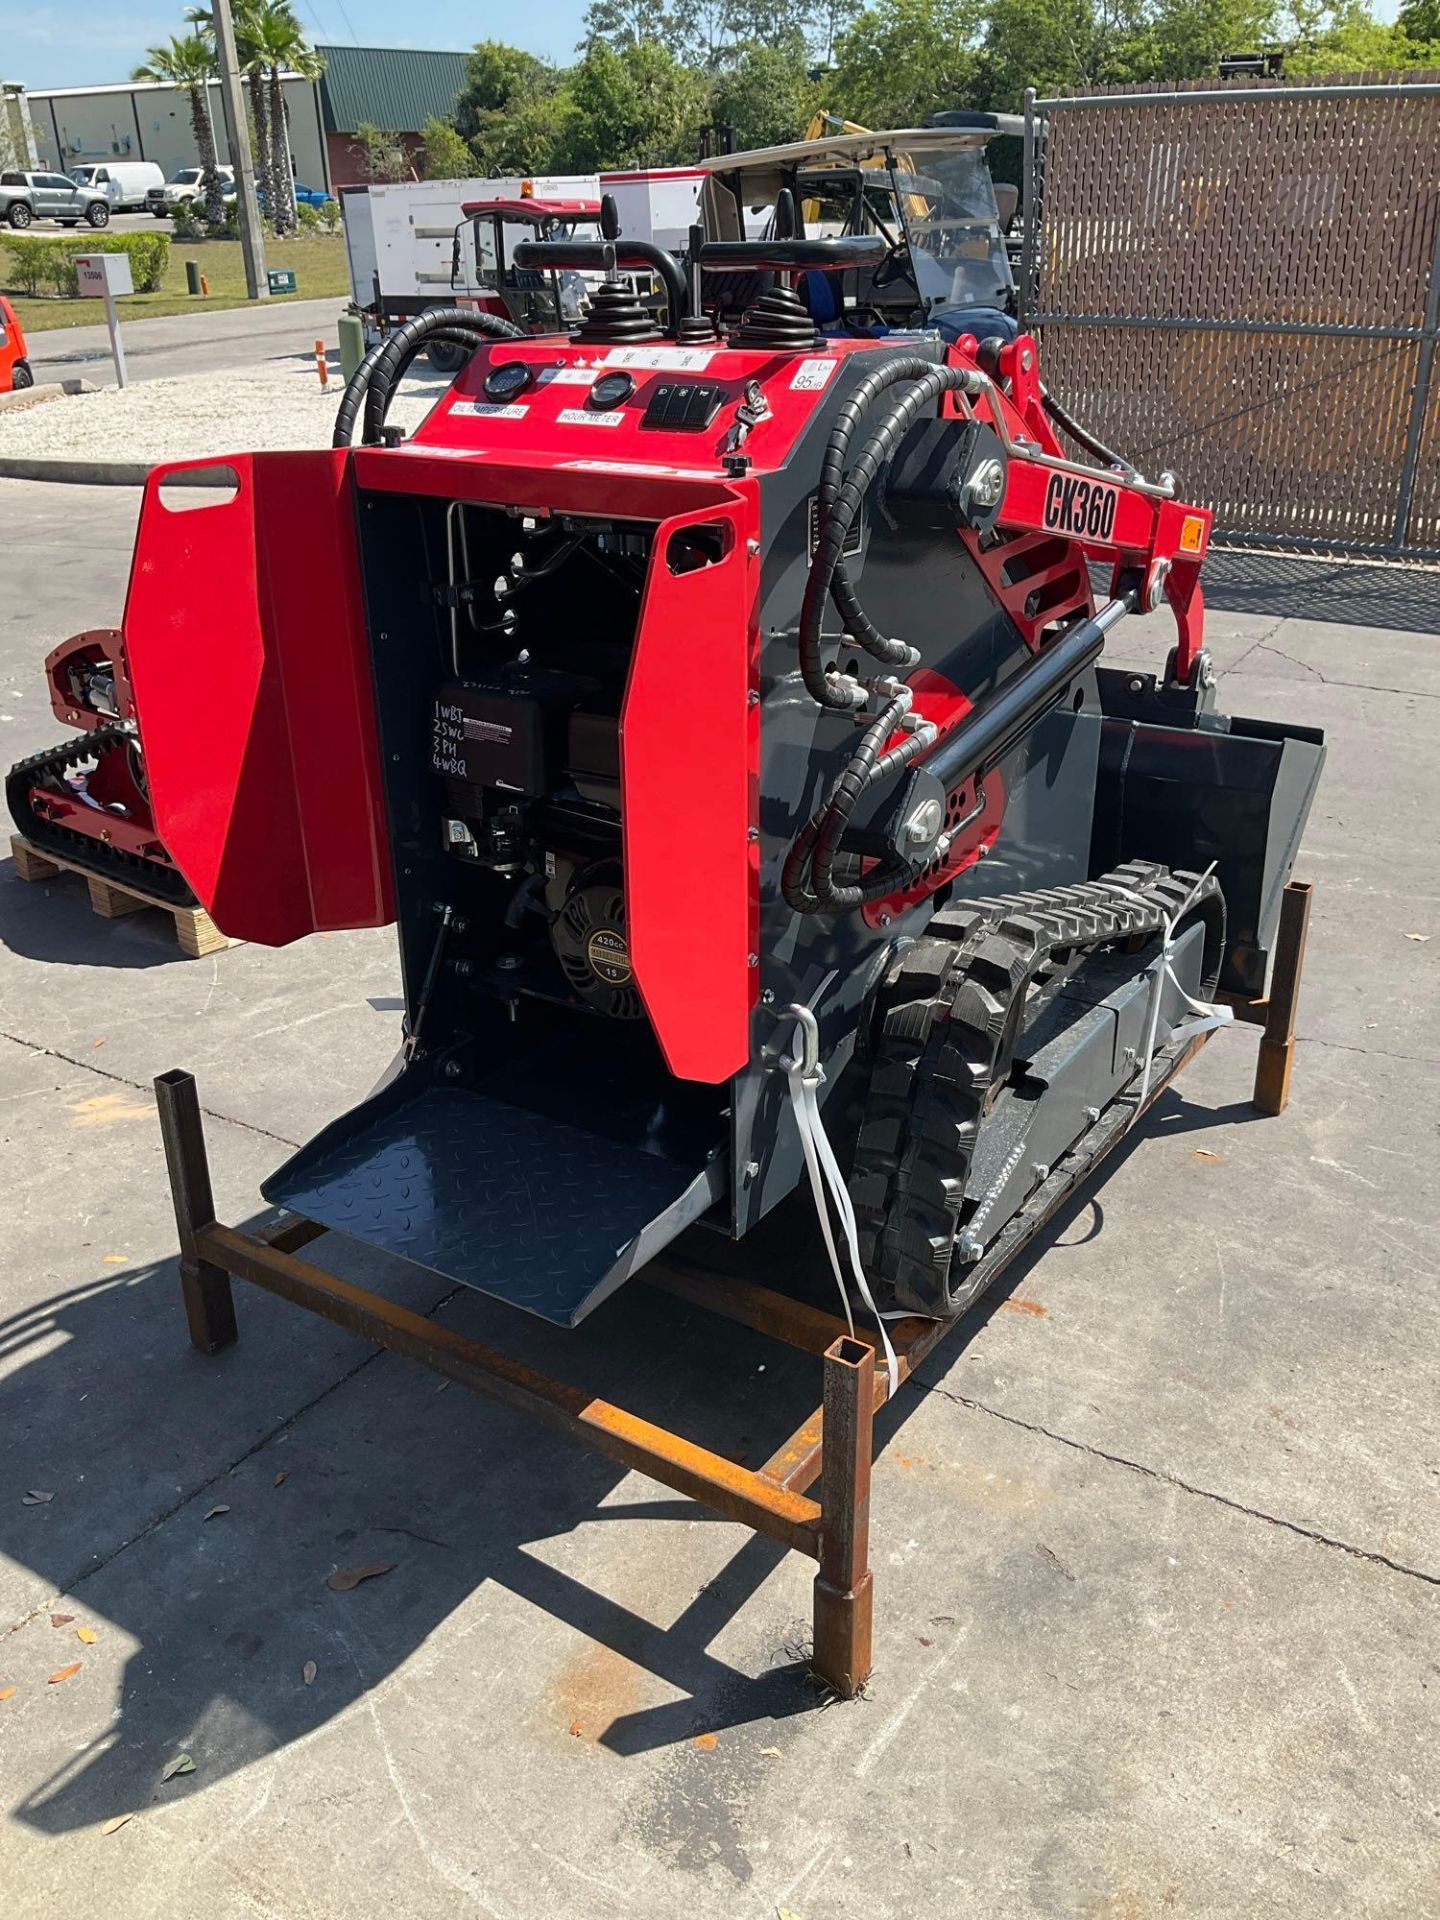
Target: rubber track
(152, 877)
(952, 1010)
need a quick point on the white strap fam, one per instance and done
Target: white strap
(1207, 1016)
(827, 1186)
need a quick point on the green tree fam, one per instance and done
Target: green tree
(901, 59)
(1186, 38)
(284, 49)
(1054, 44)
(620, 24)
(498, 79)
(534, 136)
(1420, 20)
(379, 156)
(447, 157)
(1343, 36)
(766, 93)
(249, 18)
(637, 107)
(187, 62)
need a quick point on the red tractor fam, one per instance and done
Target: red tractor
(721, 711)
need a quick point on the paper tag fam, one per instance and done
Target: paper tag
(582, 417)
(811, 375)
(492, 409)
(568, 376)
(673, 359)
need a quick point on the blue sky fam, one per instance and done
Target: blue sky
(51, 43)
(59, 43)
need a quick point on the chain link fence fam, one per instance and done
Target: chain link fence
(1242, 284)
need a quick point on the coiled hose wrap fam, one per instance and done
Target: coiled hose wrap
(807, 880)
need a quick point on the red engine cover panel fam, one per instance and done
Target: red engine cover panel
(689, 769)
(246, 649)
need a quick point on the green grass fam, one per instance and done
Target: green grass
(317, 258)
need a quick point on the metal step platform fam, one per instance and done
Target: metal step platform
(540, 1214)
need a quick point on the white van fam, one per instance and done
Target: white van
(126, 182)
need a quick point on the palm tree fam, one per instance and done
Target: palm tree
(188, 63)
(285, 49)
(270, 42)
(250, 52)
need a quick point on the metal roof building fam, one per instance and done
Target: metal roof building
(396, 89)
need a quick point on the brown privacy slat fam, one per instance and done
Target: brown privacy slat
(1252, 222)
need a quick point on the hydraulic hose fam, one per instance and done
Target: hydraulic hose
(406, 342)
(353, 398)
(807, 879)
(838, 505)
(1082, 436)
(373, 383)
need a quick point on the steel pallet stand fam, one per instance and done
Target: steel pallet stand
(832, 1446)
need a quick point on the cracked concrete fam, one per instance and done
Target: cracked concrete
(1153, 1533)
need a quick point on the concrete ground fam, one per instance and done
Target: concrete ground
(182, 343)
(1155, 1537)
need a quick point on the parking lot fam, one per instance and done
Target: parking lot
(1154, 1532)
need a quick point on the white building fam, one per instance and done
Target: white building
(136, 120)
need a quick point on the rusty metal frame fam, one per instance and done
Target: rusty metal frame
(833, 1445)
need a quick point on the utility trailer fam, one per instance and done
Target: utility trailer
(419, 244)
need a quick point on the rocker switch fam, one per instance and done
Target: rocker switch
(682, 407)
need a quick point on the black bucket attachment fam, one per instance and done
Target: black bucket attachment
(1188, 788)
(542, 1214)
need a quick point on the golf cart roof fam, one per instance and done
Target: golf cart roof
(535, 210)
(864, 149)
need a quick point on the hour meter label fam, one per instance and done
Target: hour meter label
(672, 359)
(581, 417)
(811, 375)
(1083, 507)
(492, 409)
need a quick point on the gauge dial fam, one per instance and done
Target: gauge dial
(610, 390)
(506, 382)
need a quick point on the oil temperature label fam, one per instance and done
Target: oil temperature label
(811, 375)
(492, 409)
(582, 417)
(1084, 507)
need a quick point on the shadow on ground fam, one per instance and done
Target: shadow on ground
(52, 920)
(375, 1460)
(1292, 587)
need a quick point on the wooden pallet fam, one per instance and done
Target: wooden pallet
(195, 931)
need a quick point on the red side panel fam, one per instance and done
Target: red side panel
(689, 765)
(245, 642)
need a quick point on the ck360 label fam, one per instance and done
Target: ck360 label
(1083, 507)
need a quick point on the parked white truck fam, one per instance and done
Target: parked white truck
(125, 183)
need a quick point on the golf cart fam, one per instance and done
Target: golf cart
(926, 191)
